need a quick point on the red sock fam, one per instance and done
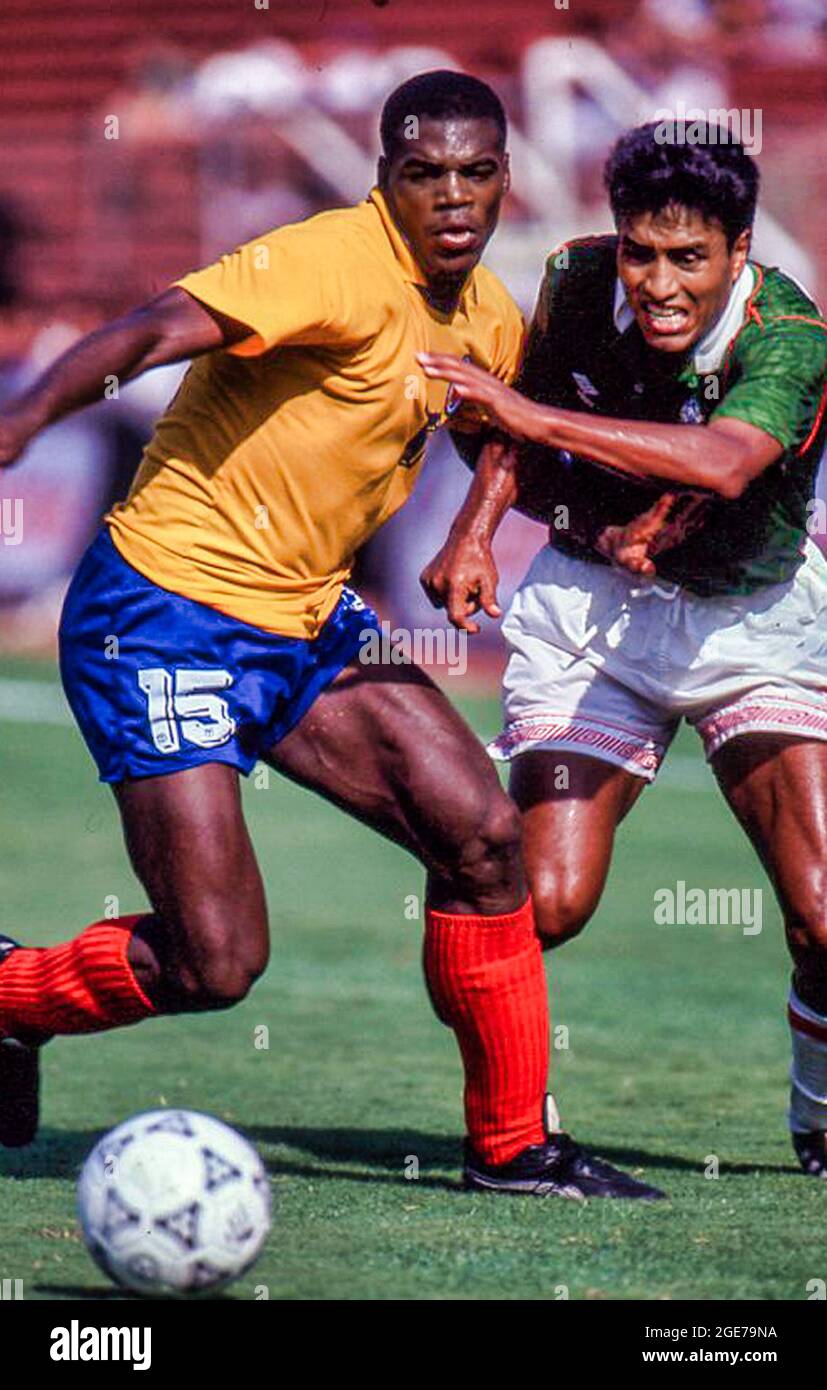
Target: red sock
(84, 986)
(486, 981)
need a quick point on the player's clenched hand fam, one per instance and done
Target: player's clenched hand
(629, 546)
(462, 579)
(666, 524)
(513, 413)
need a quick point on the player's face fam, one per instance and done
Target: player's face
(444, 190)
(678, 273)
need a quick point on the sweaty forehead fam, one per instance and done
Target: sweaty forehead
(674, 225)
(451, 140)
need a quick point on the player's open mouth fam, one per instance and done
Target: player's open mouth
(456, 238)
(658, 319)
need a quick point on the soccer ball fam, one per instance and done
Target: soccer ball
(173, 1203)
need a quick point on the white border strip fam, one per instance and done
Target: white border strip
(33, 702)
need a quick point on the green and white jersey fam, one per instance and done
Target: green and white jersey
(765, 362)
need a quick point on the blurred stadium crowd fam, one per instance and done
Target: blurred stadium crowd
(140, 139)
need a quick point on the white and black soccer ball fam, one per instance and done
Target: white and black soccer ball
(172, 1202)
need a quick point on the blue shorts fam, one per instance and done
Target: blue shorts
(159, 683)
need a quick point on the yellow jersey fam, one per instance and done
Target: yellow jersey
(280, 456)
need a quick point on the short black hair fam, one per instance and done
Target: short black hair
(692, 164)
(439, 95)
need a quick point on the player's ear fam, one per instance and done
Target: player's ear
(740, 252)
(382, 171)
(506, 173)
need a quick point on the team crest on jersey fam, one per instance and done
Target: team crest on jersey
(586, 390)
(691, 413)
(434, 418)
(414, 446)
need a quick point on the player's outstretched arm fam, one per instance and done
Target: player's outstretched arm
(723, 457)
(169, 328)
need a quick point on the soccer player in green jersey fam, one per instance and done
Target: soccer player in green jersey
(670, 416)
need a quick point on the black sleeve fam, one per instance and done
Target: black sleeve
(541, 474)
(542, 375)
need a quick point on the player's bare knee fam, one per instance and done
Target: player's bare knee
(491, 856)
(501, 831)
(220, 985)
(562, 907)
(807, 935)
(806, 915)
(223, 971)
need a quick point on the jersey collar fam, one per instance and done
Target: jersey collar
(411, 270)
(710, 351)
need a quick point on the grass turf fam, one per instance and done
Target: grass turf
(677, 1051)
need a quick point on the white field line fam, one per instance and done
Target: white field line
(33, 702)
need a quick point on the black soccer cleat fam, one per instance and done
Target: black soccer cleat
(811, 1149)
(19, 1081)
(557, 1168)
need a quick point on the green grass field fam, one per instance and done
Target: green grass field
(677, 1051)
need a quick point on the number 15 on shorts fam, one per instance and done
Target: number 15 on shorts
(183, 704)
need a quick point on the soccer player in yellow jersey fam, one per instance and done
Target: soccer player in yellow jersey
(210, 625)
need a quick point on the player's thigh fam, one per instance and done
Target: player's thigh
(385, 744)
(777, 787)
(571, 805)
(189, 845)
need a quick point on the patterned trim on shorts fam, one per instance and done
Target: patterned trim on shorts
(641, 756)
(759, 714)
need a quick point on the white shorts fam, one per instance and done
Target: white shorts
(602, 663)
